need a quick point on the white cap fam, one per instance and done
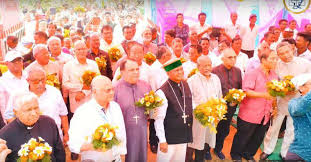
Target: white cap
(302, 79)
(12, 55)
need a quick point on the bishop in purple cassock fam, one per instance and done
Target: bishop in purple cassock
(129, 90)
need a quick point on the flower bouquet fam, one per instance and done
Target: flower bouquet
(52, 80)
(183, 60)
(235, 96)
(114, 54)
(105, 138)
(192, 72)
(276, 88)
(3, 68)
(87, 77)
(289, 86)
(211, 113)
(101, 63)
(150, 58)
(35, 151)
(149, 102)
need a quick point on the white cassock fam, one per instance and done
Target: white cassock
(242, 62)
(175, 152)
(84, 123)
(203, 89)
(51, 103)
(8, 84)
(72, 81)
(50, 68)
(144, 73)
(188, 66)
(159, 76)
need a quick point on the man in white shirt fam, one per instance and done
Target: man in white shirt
(287, 65)
(249, 34)
(101, 109)
(73, 70)
(233, 28)
(42, 56)
(204, 42)
(136, 54)
(203, 85)
(177, 47)
(201, 28)
(107, 40)
(163, 56)
(50, 99)
(241, 58)
(303, 40)
(191, 64)
(55, 48)
(12, 80)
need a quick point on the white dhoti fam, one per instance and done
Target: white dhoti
(175, 153)
(99, 156)
(273, 133)
(201, 135)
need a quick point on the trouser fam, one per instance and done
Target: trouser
(189, 154)
(199, 155)
(153, 139)
(223, 129)
(250, 54)
(247, 139)
(175, 152)
(293, 157)
(273, 132)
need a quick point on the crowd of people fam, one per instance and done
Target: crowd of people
(66, 44)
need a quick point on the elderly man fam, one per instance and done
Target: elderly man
(101, 109)
(72, 73)
(230, 77)
(194, 41)
(177, 48)
(12, 80)
(50, 101)
(300, 110)
(136, 54)
(95, 52)
(128, 91)
(287, 65)
(147, 41)
(42, 56)
(30, 124)
(55, 48)
(173, 120)
(203, 85)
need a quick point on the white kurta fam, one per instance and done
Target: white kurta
(72, 81)
(144, 73)
(188, 66)
(84, 123)
(203, 89)
(51, 104)
(8, 85)
(232, 30)
(242, 62)
(306, 55)
(159, 77)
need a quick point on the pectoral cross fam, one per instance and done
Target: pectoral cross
(136, 118)
(184, 116)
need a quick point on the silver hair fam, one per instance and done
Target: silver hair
(282, 44)
(94, 34)
(78, 42)
(37, 49)
(53, 38)
(202, 58)
(35, 69)
(20, 98)
(97, 79)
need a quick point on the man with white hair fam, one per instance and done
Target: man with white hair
(300, 111)
(42, 56)
(50, 101)
(101, 109)
(55, 48)
(72, 73)
(30, 124)
(203, 85)
(287, 65)
(13, 79)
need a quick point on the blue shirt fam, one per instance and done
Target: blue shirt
(300, 111)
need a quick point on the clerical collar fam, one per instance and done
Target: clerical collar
(27, 127)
